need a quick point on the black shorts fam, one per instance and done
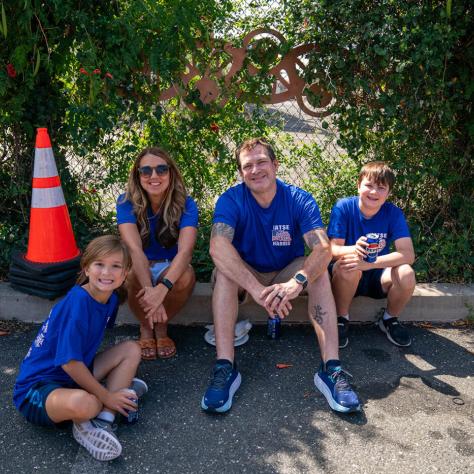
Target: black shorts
(370, 283)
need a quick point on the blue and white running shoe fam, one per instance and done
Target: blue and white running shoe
(333, 384)
(224, 383)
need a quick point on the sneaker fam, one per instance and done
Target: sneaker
(98, 438)
(396, 333)
(333, 384)
(139, 387)
(343, 331)
(225, 382)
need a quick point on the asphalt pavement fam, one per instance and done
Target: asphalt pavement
(417, 412)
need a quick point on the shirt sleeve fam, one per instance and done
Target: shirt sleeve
(190, 216)
(226, 211)
(72, 333)
(310, 216)
(125, 214)
(399, 226)
(337, 228)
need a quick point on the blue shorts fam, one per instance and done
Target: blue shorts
(33, 407)
(370, 283)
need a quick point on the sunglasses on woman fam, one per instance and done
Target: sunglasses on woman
(147, 171)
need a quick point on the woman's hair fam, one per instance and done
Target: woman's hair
(99, 248)
(167, 229)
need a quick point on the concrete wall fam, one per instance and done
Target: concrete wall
(431, 302)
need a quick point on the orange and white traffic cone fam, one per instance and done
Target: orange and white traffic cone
(51, 238)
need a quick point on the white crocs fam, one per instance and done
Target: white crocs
(96, 436)
(241, 335)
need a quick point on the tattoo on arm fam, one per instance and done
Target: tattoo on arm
(319, 314)
(223, 230)
(315, 237)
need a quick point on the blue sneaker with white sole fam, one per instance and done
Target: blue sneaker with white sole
(224, 383)
(332, 382)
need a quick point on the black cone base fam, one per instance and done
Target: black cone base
(40, 279)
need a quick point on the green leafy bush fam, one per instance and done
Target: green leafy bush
(402, 76)
(92, 72)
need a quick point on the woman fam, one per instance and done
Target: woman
(158, 222)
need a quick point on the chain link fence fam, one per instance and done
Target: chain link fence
(314, 139)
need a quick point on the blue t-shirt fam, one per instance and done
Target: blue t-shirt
(268, 239)
(348, 223)
(73, 331)
(154, 250)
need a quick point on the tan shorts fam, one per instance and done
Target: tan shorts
(269, 278)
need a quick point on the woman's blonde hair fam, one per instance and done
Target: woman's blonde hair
(167, 229)
(99, 248)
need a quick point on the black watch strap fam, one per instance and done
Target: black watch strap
(167, 283)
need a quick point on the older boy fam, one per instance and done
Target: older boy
(391, 275)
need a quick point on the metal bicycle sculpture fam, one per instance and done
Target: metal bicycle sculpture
(287, 84)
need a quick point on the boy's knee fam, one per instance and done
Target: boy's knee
(84, 405)
(346, 276)
(406, 277)
(132, 350)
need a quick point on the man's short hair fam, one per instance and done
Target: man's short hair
(250, 145)
(378, 172)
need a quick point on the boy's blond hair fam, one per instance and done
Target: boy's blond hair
(378, 172)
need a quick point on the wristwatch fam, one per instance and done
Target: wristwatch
(301, 279)
(167, 283)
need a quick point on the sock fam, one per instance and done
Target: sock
(387, 315)
(106, 416)
(345, 316)
(331, 364)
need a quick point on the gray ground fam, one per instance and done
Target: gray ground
(418, 409)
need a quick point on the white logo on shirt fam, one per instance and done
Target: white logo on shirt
(281, 235)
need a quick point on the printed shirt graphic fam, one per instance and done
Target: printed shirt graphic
(348, 223)
(154, 250)
(268, 239)
(73, 331)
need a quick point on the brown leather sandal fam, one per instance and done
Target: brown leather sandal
(163, 343)
(148, 347)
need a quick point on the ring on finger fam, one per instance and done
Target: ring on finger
(280, 297)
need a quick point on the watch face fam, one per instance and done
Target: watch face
(301, 279)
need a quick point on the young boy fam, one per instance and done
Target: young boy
(60, 377)
(391, 275)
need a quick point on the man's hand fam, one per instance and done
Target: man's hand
(277, 297)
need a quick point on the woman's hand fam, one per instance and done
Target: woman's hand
(151, 301)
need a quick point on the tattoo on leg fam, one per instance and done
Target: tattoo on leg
(319, 314)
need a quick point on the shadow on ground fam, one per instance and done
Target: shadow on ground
(279, 423)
